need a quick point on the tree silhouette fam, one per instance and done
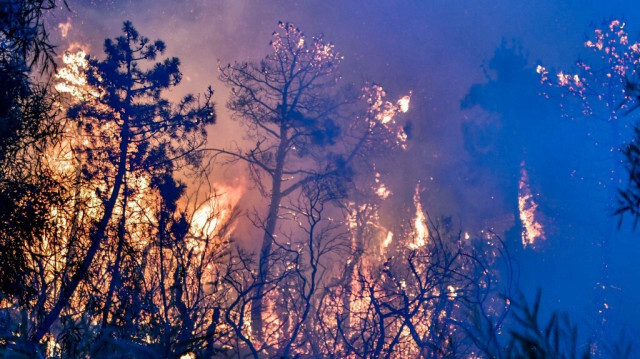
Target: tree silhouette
(133, 131)
(514, 119)
(295, 113)
(28, 125)
(25, 47)
(629, 197)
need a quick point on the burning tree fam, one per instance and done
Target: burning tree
(292, 108)
(126, 144)
(134, 264)
(501, 138)
(417, 297)
(291, 291)
(602, 87)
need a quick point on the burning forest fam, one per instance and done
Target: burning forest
(202, 180)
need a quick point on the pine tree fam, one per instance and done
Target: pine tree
(135, 131)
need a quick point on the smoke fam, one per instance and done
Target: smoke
(436, 51)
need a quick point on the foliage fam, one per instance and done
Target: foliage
(28, 126)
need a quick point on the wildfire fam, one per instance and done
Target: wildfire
(388, 240)
(383, 112)
(403, 103)
(210, 223)
(73, 80)
(419, 223)
(382, 191)
(532, 229)
(216, 211)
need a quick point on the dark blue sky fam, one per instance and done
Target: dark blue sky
(439, 50)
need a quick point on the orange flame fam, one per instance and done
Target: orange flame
(419, 223)
(387, 241)
(532, 229)
(216, 211)
(403, 103)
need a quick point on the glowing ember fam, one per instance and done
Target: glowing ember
(532, 229)
(543, 72)
(382, 191)
(352, 216)
(403, 103)
(563, 79)
(388, 240)
(452, 291)
(64, 28)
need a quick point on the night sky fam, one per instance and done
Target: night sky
(439, 50)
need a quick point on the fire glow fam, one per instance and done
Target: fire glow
(419, 223)
(214, 212)
(532, 229)
(177, 248)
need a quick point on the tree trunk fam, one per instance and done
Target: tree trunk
(357, 248)
(96, 239)
(269, 234)
(263, 269)
(115, 272)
